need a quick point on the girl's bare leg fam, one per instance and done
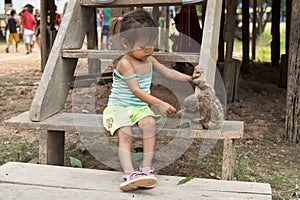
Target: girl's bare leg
(125, 143)
(148, 127)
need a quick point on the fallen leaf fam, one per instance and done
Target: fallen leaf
(185, 180)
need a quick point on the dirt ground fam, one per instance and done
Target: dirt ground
(263, 155)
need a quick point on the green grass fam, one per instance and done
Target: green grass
(263, 45)
(17, 149)
(283, 181)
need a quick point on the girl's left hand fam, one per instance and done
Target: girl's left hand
(197, 72)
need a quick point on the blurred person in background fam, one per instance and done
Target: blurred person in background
(28, 26)
(13, 24)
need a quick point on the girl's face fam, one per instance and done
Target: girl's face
(141, 50)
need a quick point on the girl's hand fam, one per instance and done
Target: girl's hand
(197, 72)
(166, 109)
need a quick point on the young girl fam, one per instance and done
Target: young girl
(130, 97)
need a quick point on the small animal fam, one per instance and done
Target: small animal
(203, 107)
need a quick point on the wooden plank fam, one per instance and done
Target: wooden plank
(55, 83)
(93, 123)
(132, 3)
(33, 181)
(210, 40)
(80, 81)
(114, 54)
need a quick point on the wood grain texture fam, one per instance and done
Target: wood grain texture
(28, 181)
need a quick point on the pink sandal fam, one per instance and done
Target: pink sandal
(148, 171)
(137, 180)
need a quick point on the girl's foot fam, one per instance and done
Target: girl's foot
(137, 180)
(148, 171)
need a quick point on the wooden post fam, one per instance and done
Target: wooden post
(293, 90)
(221, 48)
(254, 30)
(52, 147)
(284, 58)
(167, 28)
(203, 14)
(288, 25)
(230, 28)
(45, 38)
(229, 155)
(275, 32)
(94, 65)
(231, 67)
(246, 36)
(210, 40)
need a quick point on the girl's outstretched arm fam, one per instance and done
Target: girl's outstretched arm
(173, 74)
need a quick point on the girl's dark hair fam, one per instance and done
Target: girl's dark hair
(135, 25)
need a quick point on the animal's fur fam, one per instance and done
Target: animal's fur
(203, 107)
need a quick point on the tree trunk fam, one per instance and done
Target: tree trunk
(254, 29)
(275, 31)
(261, 21)
(293, 90)
(246, 36)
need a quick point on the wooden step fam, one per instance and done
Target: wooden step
(133, 3)
(90, 79)
(51, 142)
(29, 181)
(113, 54)
(93, 123)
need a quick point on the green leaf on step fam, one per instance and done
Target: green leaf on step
(185, 180)
(75, 162)
(184, 125)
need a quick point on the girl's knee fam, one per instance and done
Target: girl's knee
(124, 134)
(146, 122)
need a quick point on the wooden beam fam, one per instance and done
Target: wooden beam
(114, 54)
(92, 123)
(210, 40)
(132, 3)
(54, 87)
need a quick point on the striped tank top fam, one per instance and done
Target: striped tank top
(121, 95)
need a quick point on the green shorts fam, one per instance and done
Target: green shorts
(115, 117)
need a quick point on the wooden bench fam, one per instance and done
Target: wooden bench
(52, 139)
(29, 181)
